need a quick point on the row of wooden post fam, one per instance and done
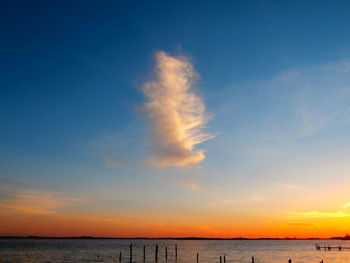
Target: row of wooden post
(166, 255)
(156, 253)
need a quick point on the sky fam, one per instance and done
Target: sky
(175, 118)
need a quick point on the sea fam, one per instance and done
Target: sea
(35, 250)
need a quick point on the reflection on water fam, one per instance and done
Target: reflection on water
(108, 250)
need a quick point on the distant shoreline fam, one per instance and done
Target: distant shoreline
(169, 238)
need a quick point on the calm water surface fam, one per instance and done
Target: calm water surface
(107, 250)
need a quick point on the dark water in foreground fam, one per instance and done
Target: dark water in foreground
(107, 250)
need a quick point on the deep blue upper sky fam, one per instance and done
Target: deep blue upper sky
(71, 70)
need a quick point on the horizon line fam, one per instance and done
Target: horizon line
(173, 238)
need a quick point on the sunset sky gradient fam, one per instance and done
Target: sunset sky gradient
(175, 118)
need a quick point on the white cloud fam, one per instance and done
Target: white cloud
(177, 113)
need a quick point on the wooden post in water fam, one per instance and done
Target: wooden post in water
(197, 257)
(166, 253)
(224, 258)
(156, 253)
(120, 257)
(252, 259)
(220, 260)
(144, 253)
(131, 252)
(175, 252)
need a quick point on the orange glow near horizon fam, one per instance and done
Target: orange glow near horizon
(42, 213)
(56, 225)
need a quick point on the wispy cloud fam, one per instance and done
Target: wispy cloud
(30, 201)
(340, 213)
(318, 96)
(301, 224)
(177, 113)
(124, 148)
(318, 214)
(193, 186)
(184, 180)
(293, 104)
(94, 219)
(111, 160)
(244, 200)
(287, 186)
(347, 205)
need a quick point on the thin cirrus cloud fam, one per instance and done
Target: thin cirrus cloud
(317, 96)
(193, 186)
(294, 104)
(30, 201)
(347, 205)
(318, 214)
(176, 112)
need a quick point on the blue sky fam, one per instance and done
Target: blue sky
(274, 76)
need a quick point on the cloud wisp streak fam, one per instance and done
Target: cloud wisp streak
(318, 214)
(292, 105)
(177, 113)
(347, 205)
(30, 201)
